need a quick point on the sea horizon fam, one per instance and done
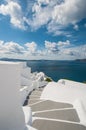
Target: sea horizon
(58, 69)
(72, 70)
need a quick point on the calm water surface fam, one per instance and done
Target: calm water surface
(73, 70)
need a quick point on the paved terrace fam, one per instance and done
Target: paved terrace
(49, 115)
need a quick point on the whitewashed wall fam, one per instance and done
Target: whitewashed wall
(11, 114)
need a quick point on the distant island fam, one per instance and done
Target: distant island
(25, 60)
(84, 60)
(11, 59)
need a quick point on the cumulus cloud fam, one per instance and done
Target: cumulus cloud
(57, 14)
(1, 43)
(70, 11)
(69, 52)
(76, 27)
(13, 49)
(14, 11)
(10, 48)
(65, 50)
(31, 47)
(55, 47)
(52, 50)
(41, 13)
(56, 29)
(66, 43)
(74, 52)
(51, 47)
(80, 51)
(40, 16)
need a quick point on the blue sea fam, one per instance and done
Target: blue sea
(72, 70)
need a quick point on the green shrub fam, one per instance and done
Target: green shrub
(48, 79)
(84, 82)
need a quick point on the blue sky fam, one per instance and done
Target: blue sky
(43, 29)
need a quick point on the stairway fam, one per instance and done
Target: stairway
(50, 115)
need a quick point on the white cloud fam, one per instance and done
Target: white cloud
(81, 51)
(40, 16)
(31, 47)
(74, 52)
(13, 9)
(68, 52)
(53, 50)
(51, 47)
(55, 47)
(1, 43)
(70, 11)
(44, 1)
(15, 50)
(66, 43)
(57, 14)
(65, 50)
(10, 48)
(56, 29)
(41, 13)
(76, 27)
